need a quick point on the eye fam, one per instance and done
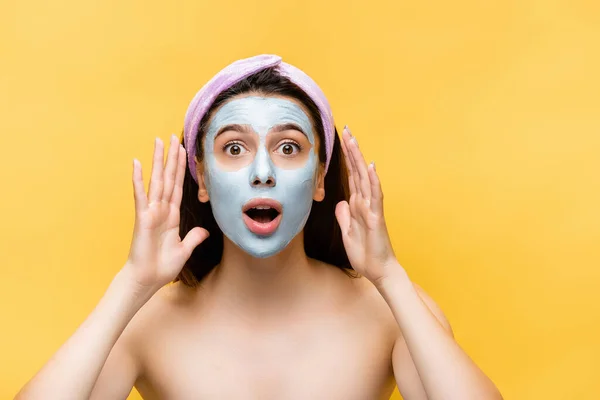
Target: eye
(234, 149)
(289, 148)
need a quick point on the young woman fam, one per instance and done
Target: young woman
(285, 283)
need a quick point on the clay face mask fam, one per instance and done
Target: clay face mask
(259, 200)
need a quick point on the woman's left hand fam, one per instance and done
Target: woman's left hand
(364, 231)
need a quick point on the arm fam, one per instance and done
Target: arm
(72, 371)
(406, 374)
(427, 349)
(156, 256)
(438, 367)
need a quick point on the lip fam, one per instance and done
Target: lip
(258, 228)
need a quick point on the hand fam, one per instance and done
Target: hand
(157, 253)
(364, 232)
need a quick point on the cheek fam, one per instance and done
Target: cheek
(301, 181)
(222, 184)
(230, 163)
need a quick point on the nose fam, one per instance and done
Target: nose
(263, 171)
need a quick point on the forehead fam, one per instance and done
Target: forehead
(261, 112)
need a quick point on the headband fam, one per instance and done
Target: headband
(238, 71)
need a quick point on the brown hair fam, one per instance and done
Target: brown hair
(322, 234)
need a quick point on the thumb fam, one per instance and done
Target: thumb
(193, 239)
(342, 213)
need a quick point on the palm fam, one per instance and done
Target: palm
(159, 225)
(160, 216)
(364, 232)
(157, 252)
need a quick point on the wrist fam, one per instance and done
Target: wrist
(122, 300)
(396, 276)
(125, 280)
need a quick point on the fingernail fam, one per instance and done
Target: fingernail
(373, 164)
(355, 141)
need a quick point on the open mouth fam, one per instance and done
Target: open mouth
(262, 216)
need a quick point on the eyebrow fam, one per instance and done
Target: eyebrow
(287, 127)
(247, 129)
(234, 127)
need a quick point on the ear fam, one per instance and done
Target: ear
(202, 192)
(320, 189)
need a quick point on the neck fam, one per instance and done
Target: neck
(272, 285)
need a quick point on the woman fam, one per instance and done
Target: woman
(285, 284)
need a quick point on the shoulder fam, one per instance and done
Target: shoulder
(369, 298)
(161, 313)
(365, 302)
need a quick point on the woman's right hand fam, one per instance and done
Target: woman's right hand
(157, 253)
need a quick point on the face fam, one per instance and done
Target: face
(261, 172)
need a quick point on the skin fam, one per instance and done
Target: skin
(260, 147)
(254, 316)
(282, 327)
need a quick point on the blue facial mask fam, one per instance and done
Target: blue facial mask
(229, 190)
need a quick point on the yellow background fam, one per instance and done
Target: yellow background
(483, 118)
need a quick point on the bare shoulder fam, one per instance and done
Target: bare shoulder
(160, 313)
(364, 300)
(368, 299)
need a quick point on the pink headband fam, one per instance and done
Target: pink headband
(234, 73)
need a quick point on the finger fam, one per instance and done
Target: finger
(342, 213)
(376, 192)
(351, 185)
(350, 142)
(178, 188)
(193, 238)
(156, 180)
(171, 168)
(139, 195)
(361, 168)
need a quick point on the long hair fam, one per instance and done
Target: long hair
(322, 234)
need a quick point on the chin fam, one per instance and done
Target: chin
(262, 253)
(263, 247)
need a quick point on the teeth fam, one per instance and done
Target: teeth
(262, 207)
